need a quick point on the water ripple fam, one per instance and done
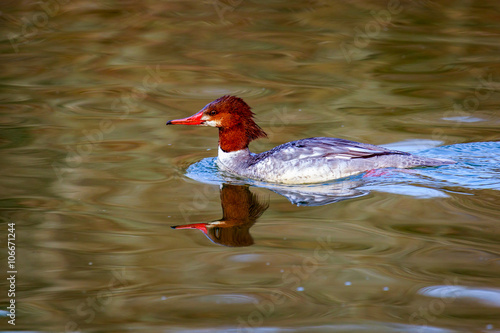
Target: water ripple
(214, 91)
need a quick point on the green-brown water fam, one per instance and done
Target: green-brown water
(93, 180)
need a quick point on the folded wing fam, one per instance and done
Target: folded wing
(326, 148)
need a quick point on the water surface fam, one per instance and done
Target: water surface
(93, 180)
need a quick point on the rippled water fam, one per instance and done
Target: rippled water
(94, 181)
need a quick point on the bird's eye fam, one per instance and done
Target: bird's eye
(212, 112)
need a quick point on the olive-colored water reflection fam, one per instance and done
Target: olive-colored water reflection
(240, 210)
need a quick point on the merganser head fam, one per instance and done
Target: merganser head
(234, 119)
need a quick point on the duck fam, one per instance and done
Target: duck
(304, 161)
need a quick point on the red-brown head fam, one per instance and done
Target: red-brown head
(234, 119)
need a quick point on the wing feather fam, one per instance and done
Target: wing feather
(329, 148)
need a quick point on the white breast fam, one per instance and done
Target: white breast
(234, 161)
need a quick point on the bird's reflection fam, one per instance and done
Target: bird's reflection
(240, 210)
(319, 194)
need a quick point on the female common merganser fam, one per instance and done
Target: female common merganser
(303, 161)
